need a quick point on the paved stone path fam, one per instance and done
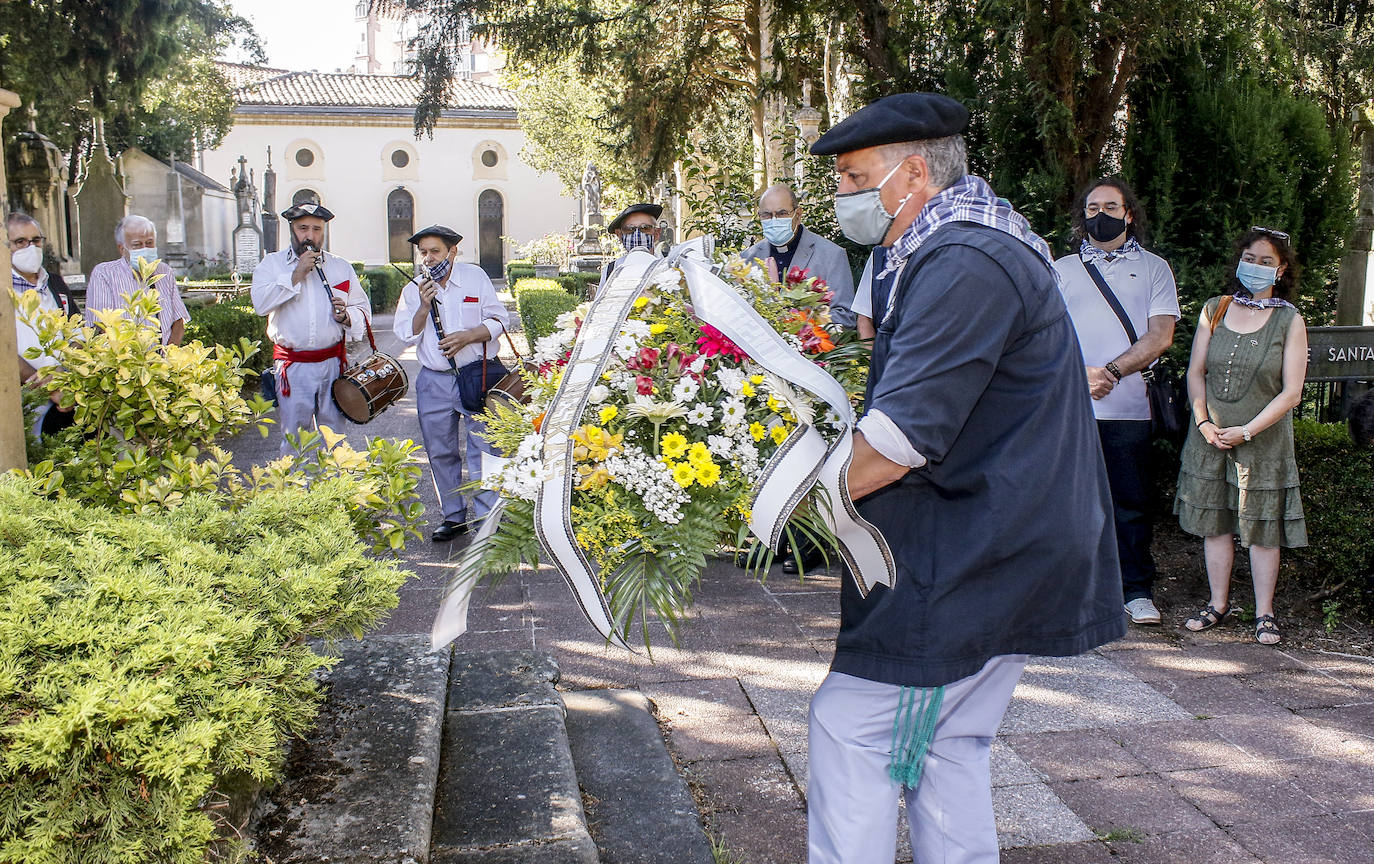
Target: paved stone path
(1163, 747)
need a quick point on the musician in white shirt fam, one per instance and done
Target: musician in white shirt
(309, 320)
(471, 317)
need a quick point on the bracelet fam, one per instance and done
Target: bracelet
(1245, 432)
(1112, 368)
(1202, 423)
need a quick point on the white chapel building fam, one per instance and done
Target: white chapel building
(347, 140)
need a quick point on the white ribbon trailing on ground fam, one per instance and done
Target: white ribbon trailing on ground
(803, 459)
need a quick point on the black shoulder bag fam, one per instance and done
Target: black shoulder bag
(1168, 408)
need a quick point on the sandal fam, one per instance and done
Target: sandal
(1265, 625)
(1207, 618)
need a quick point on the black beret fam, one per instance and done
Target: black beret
(443, 232)
(893, 120)
(654, 210)
(319, 211)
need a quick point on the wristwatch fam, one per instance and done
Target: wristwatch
(1245, 432)
(1112, 368)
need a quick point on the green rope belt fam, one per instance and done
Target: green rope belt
(918, 710)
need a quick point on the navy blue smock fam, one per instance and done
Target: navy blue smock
(1003, 541)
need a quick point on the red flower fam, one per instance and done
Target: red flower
(644, 385)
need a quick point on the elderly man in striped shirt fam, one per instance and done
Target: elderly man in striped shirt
(112, 281)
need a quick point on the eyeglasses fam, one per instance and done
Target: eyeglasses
(776, 214)
(1277, 235)
(25, 242)
(1111, 208)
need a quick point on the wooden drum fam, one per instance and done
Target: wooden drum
(370, 387)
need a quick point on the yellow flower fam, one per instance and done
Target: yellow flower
(756, 429)
(755, 379)
(641, 302)
(592, 443)
(607, 414)
(683, 475)
(605, 376)
(657, 329)
(773, 403)
(593, 478)
(673, 445)
(779, 434)
(699, 455)
(708, 474)
(746, 388)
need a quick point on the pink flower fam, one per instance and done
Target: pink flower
(713, 342)
(644, 385)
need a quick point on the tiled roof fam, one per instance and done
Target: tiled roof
(241, 75)
(341, 90)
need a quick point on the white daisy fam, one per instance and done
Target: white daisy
(598, 394)
(636, 328)
(626, 346)
(685, 390)
(701, 414)
(732, 412)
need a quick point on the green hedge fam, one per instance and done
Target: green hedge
(225, 323)
(580, 284)
(384, 284)
(152, 663)
(540, 302)
(518, 269)
(1338, 500)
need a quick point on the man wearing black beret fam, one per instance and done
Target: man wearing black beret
(636, 228)
(978, 459)
(315, 306)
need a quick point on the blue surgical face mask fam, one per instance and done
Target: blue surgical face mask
(149, 254)
(778, 231)
(862, 216)
(637, 239)
(1256, 277)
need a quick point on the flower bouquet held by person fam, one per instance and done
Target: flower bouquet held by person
(684, 409)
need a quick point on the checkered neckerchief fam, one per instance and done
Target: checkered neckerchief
(1130, 249)
(968, 199)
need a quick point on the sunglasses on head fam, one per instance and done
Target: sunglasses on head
(1278, 235)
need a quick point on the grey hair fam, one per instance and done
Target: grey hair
(946, 158)
(133, 221)
(19, 217)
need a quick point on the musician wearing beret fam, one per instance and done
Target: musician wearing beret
(978, 460)
(314, 305)
(636, 228)
(451, 314)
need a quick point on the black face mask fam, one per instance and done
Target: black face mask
(1104, 228)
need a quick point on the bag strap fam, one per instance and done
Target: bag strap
(1107, 295)
(1220, 312)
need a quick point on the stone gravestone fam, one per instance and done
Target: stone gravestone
(589, 257)
(270, 220)
(247, 236)
(100, 204)
(38, 186)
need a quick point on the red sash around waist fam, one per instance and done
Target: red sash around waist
(291, 355)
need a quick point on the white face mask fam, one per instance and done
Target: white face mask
(27, 260)
(149, 254)
(862, 216)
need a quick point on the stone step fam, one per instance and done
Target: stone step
(507, 788)
(639, 810)
(359, 788)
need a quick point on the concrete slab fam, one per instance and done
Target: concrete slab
(1296, 689)
(561, 851)
(1245, 792)
(360, 787)
(710, 720)
(1285, 738)
(1339, 785)
(1145, 803)
(508, 779)
(1008, 768)
(1089, 754)
(1061, 693)
(1178, 746)
(1091, 852)
(1033, 815)
(1205, 846)
(1314, 840)
(631, 788)
(487, 680)
(1218, 696)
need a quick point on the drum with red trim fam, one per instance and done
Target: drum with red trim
(370, 387)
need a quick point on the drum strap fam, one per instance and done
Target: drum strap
(291, 355)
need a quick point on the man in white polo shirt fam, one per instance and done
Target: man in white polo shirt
(1110, 226)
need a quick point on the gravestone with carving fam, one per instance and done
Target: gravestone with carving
(247, 235)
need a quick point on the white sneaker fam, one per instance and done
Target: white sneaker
(1142, 610)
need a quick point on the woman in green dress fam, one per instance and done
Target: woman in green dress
(1239, 475)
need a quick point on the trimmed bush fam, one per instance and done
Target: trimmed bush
(1338, 501)
(226, 323)
(518, 269)
(153, 661)
(383, 286)
(540, 302)
(579, 284)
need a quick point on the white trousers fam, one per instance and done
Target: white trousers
(311, 403)
(852, 801)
